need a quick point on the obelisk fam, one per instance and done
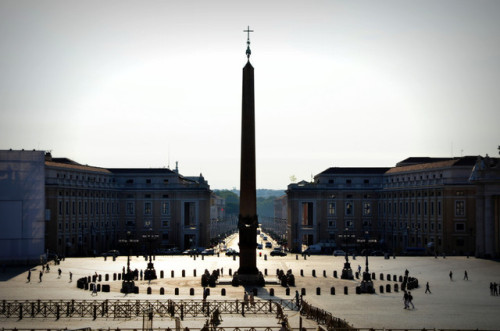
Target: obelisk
(248, 222)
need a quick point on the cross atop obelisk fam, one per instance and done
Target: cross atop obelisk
(249, 52)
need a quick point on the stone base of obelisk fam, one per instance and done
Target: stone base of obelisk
(248, 279)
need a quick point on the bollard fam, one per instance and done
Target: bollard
(296, 256)
(203, 257)
(381, 276)
(303, 291)
(388, 288)
(223, 292)
(194, 272)
(314, 273)
(271, 292)
(381, 289)
(265, 257)
(176, 291)
(302, 272)
(106, 277)
(172, 274)
(265, 271)
(162, 291)
(183, 273)
(114, 276)
(100, 277)
(332, 290)
(98, 287)
(230, 272)
(120, 276)
(191, 291)
(357, 275)
(287, 291)
(161, 274)
(335, 273)
(318, 290)
(148, 290)
(324, 273)
(305, 257)
(346, 290)
(234, 257)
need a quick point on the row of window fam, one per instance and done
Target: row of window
(148, 208)
(404, 208)
(85, 208)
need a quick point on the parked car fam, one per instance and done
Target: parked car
(269, 245)
(208, 251)
(338, 252)
(278, 252)
(112, 252)
(231, 251)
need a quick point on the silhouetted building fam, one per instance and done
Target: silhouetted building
(421, 206)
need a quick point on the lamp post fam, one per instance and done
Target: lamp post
(150, 272)
(367, 283)
(346, 271)
(128, 278)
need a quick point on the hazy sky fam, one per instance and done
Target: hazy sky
(338, 83)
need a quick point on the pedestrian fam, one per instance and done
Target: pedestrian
(245, 298)
(47, 268)
(43, 267)
(451, 275)
(29, 276)
(405, 299)
(59, 272)
(94, 289)
(466, 276)
(141, 274)
(359, 269)
(297, 299)
(41, 275)
(222, 271)
(410, 300)
(495, 288)
(427, 288)
(252, 300)
(70, 276)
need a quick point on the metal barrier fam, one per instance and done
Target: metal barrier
(133, 308)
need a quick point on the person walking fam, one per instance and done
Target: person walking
(29, 276)
(451, 275)
(427, 288)
(405, 299)
(41, 275)
(297, 299)
(70, 276)
(59, 272)
(410, 300)
(466, 276)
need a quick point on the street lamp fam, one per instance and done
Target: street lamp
(128, 278)
(347, 271)
(367, 283)
(150, 272)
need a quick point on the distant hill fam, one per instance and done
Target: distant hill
(265, 201)
(263, 192)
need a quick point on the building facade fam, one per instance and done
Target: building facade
(22, 206)
(422, 206)
(58, 206)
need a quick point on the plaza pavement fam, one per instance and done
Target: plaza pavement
(456, 304)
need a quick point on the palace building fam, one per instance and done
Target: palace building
(58, 206)
(422, 205)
